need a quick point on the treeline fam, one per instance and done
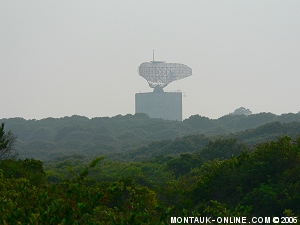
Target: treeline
(192, 143)
(223, 179)
(48, 138)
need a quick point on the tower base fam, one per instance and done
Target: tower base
(165, 105)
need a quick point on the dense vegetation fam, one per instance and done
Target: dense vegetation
(254, 172)
(264, 182)
(127, 137)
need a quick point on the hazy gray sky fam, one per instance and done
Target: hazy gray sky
(60, 58)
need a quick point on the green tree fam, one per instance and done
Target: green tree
(7, 141)
(30, 169)
(222, 149)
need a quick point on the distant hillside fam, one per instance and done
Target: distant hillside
(192, 143)
(52, 137)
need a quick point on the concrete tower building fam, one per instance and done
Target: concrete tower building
(160, 104)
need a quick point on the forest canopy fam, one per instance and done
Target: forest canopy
(263, 182)
(136, 170)
(137, 137)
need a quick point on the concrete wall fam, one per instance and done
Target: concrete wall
(165, 105)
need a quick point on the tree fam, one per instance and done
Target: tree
(7, 141)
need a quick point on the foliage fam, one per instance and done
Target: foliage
(222, 149)
(262, 182)
(73, 201)
(7, 141)
(189, 175)
(48, 138)
(30, 169)
(265, 180)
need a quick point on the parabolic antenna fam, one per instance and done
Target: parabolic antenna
(159, 74)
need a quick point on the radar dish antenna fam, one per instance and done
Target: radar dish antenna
(159, 73)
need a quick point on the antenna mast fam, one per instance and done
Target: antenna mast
(153, 55)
